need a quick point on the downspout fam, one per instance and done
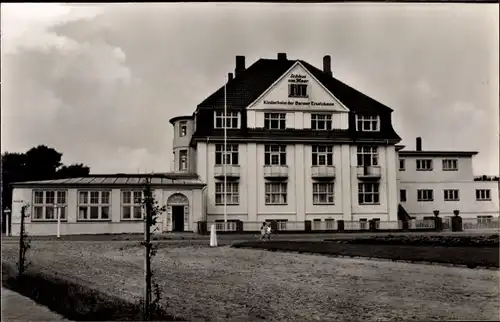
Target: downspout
(205, 202)
(206, 183)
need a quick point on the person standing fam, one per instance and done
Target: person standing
(263, 231)
(268, 231)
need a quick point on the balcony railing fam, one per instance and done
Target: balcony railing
(229, 170)
(369, 172)
(275, 171)
(323, 172)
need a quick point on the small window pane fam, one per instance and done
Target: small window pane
(126, 212)
(105, 212)
(94, 212)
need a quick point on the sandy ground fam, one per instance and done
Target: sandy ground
(222, 283)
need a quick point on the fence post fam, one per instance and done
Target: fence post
(239, 226)
(456, 222)
(438, 222)
(202, 227)
(340, 226)
(307, 226)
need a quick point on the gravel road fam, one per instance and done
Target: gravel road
(214, 284)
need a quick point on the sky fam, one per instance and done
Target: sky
(100, 82)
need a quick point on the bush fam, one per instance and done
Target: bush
(446, 241)
(468, 256)
(74, 301)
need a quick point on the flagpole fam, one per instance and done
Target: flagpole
(224, 156)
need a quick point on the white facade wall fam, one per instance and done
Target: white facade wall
(410, 174)
(467, 204)
(298, 119)
(300, 205)
(114, 225)
(439, 180)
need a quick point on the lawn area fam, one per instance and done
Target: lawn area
(223, 283)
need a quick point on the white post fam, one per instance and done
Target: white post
(7, 221)
(225, 154)
(57, 207)
(213, 236)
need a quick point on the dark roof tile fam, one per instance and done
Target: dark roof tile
(256, 79)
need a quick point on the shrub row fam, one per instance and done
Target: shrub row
(74, 301)
(446, 241)
(467, 256)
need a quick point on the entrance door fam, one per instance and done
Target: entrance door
(178, 218)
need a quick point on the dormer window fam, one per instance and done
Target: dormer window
(297, 90)
(183, 128)
(368, 123)
(232, 120)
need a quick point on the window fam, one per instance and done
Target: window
(183, 162)
(276, 193)
(132, 205)
(322, 155)
(297, 90)
(402, 195)
(451, 195)
(231, 156)
(232, 120)
(183, 128)
(368, 123)
(402, 165)
(275, 121)
(323, 194)
(275, 155)
(363, 223)
(44, 203)
(425, 195)
(483, 194)
(484, 220)
(316, 224)
(450, 165)
(94, 205)
(330, 223)
(367, 156)
(368, 193)
(424, 165)
(233, 194)
(321, 121)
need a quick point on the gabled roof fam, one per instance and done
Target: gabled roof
(256, 79)
(119, 179)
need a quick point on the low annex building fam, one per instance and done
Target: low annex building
(300, 146)
(106, 204)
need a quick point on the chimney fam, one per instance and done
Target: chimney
(281, 56)
(419, 144)
(229, 77)
(240, 65)
(327, 65)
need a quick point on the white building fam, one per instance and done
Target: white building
(301, 146)
(444, 181)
